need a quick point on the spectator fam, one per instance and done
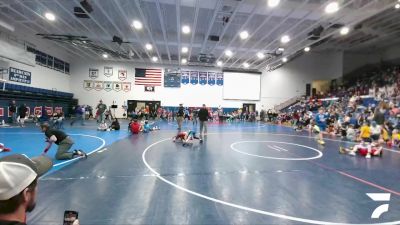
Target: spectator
(179, 116)
(101, 109)
(115, 125)
(203, 118)
(22, 110)
(12, 107)
(18, 186)
(79, 115)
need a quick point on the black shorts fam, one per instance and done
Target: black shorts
(375, 137)
(366, 139)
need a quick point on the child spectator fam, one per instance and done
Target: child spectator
(365, 133)
(351, 133)
(135, 127)
(115, 125)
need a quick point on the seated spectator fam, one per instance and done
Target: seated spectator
(115, 125)
(136, 127)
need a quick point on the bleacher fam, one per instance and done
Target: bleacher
(37, 91)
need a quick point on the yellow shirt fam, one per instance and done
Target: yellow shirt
(385, 135)
(365, 132)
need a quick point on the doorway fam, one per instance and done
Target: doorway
(134, 105)
(248, 107)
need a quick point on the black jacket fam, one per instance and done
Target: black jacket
(180, 112)
(203, 114)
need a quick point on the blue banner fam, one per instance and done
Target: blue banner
(172, 79)
(185, 77)
(203, 78)
(20, 76)
(220, 79)
(194, 77)
(211, 78)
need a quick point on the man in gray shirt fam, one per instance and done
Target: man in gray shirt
(101, 109)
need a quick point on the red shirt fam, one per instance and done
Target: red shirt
(135, 128)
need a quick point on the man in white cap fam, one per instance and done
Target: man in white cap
(18, 186)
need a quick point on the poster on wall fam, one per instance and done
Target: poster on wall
(93, 73)
(185, 77)
(108, 71)
(98, 85)
(126, 86)
(20, 76)
(203, 78)
(194, 77)
(211, 78)
(149, 88)
(58, 109)
(122, 74)
(1, 112)
(49, 110)
(108, 85)
(117, 86)
(88, 85)
(172, 78)
(220, 79)
(38, 110)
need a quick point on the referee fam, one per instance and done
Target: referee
(63, 141)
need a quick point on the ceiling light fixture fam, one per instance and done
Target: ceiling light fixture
(184, 61)
(260, 55)
(228, 53)
(185, 29)
(50, 16)
(285, 39)
(307, 49)
(154, 59)
(246, 65)
(185, 49)
(244, 35)
(273, 3)
(105, 56)
(397, 6)
(137, 24)
(219, 63)
(284, 59)
(332, 7)
(149, 46)
(344, 30)
(281, 49)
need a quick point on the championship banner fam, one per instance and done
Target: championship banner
(58, 110)
(1, 112)
(220, 79)
(194, 77)
(20, 76)
(93, 73)
(185, 77)
(108, 71)
(108, 85)
(149, 88)
(38, 110)
(211, 78)
(49, 110)
(172, 78)
(117, 86)
(88, 85)
(126, 86)
(98, 85)
(203, 78)
(122, 74)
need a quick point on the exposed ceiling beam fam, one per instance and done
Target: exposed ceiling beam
(178, 27)
(162, 23)
(211, 24)
(196, 17)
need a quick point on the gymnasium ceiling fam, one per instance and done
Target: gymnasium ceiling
(371, 22)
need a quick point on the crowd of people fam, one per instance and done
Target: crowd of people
(365, 111)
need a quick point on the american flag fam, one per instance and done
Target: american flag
(148, 77)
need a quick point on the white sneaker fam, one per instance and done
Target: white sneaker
(368, 156)
(352, 153)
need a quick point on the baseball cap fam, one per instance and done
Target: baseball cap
(18, 171)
